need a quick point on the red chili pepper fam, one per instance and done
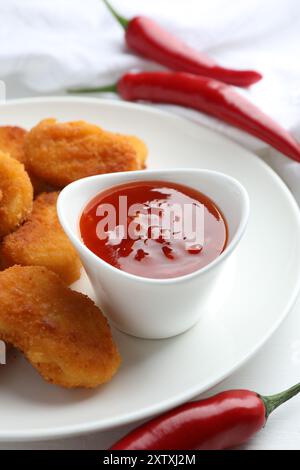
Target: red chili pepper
(206, 95)
(221, 422)
(145, 37)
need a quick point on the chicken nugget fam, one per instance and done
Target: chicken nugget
(41, 241)
(60, 153)
(12, 140)
(140, 148)
(61, 332)
(16, 194)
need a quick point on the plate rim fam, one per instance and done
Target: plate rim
(39, 434)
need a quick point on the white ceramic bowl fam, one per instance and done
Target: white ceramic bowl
(145, 307)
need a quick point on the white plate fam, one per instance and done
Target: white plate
(156, 375)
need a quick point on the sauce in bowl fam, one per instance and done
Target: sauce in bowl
(154, 229)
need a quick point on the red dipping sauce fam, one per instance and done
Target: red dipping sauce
(154, 229)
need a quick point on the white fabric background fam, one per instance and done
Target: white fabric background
(48, 46)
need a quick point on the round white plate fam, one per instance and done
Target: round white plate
(256, 295)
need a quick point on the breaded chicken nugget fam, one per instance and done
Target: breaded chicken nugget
(60, 331)
(140, 148)
(16, 194)
(41, 241)
(60, 153)
(12, 139)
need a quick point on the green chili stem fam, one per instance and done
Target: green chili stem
(104, 89)
(121, 19)
(273, 401)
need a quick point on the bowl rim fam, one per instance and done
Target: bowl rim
(81, 247)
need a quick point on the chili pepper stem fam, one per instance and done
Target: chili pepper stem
(108, 88)
(273, 401)
(121, 19)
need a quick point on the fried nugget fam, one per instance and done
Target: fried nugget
(16, 194)
(140, 148)
(12, 140)
(41, 241)
(60, 331)
(60, 153)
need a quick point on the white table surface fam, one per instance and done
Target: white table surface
(275, 367)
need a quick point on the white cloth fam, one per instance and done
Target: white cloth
(52, 45)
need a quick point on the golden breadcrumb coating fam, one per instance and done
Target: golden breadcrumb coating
(140, 148)
(60, 153)
(41, 241)
(60, 331)
(12, 139)
(16, 194)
